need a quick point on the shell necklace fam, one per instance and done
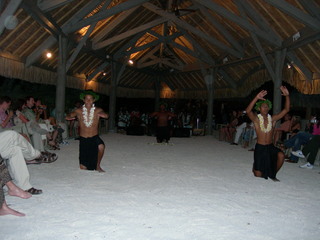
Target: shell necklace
(88, 120)
(261, 123)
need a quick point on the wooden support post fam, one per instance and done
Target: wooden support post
(62, 78)
(277, 97)
(113, 97)
(157, 89)
(209, 79)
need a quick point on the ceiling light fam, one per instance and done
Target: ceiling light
(130, 62)
(49, 55)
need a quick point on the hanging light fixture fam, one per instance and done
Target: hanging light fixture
(49, 55)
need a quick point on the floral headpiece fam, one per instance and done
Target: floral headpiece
(89, 92)
(258, 104)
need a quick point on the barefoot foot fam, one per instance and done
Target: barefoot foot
(82, 167)
(275, 179)
(5, 210)
(99, 169)
(13, 190)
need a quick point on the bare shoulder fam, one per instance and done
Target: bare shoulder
(78, 111)
(98, 109)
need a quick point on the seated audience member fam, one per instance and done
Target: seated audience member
(135, 127)
(16, 150)
(135, 119)
(34, 124)
(243, 120)
(226, 133)
(74, 124)
(40, 110)
(248, 134)
(18, 107)
(311, 148)
(145, 122)
(123, 120)
(300, 139)
(253, 141)
(285, 127)
(295, 126)
(7, 118)
(6, 115)
(13, 190)
(186, 119)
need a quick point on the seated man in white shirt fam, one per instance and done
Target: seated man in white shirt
(16, 150)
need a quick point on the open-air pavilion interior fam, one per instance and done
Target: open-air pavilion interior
(162, 49)
(198, 187)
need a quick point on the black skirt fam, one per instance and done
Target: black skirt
(265, 160)
(88, 149)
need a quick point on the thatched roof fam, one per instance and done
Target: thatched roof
(172, 43)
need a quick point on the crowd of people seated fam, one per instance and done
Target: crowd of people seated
(18, 122)
(135, 122)
(238, 130)
(308, 140)
(31, 120)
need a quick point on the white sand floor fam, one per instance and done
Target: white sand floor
(199, 188)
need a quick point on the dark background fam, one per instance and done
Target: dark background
(16, 89)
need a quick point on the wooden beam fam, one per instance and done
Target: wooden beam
(106, 13)
(221, 29)
(291, 10)
(51, 40)
(120, 72)
(307, 35)
(122, 51)
(240, 21)
(112, 25)
(192, 29)
(251, 72)
(263, 56)
(257, 18)
(259, 47)
(299, 66)
(170, 51)
(311, 7)
(43, 19)
(49, 5)
(186, 50)
(79, 46)
(149, 54)
(127, 34)
(228, 79)
(153, 43)
(9, 11)
(168, 63)
(198, 47)
(149, 63)
(97, 70)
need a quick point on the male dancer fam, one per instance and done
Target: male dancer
(163, 116)
(91, 148)
(267, 158)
